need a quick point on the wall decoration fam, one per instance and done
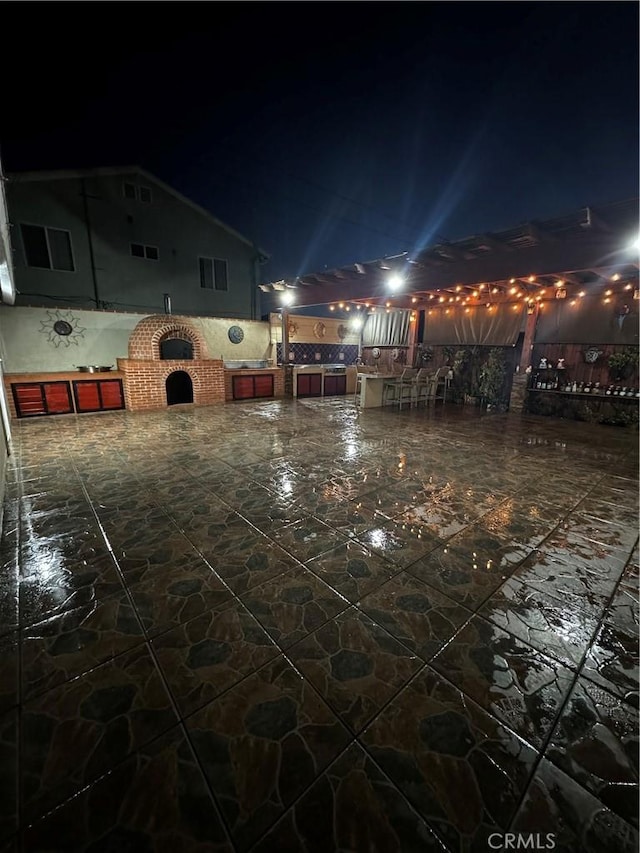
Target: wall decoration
(592, 354)
(320, 330)
(375, 352)
(293, 328)
(236, 334)
(61, 327)
(343, 331)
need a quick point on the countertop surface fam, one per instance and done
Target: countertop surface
(61, 376)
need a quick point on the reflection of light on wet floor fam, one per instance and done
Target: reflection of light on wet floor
(286, 486)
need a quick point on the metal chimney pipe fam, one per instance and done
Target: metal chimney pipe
(167, 303)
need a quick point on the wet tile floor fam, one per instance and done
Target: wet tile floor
(294, 627)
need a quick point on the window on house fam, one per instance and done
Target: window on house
(47, 248)
(213, 273)
(151, 253)
(136, 193)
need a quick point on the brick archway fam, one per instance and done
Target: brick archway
(145, 373)
(145, 339)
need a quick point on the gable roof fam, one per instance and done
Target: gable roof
(108, 171)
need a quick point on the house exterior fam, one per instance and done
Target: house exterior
(121, 239)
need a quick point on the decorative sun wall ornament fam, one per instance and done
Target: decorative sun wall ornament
(343, 331)
(293, 328)
(235, 334)
(61, 327)
(319, 330)
(375, 352)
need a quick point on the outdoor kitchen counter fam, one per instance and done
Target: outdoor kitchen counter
(247, 383)
(57, 392)
(320, 387)
(61, 376)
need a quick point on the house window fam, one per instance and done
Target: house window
(136, 193)
(213, 274)
(47, 248)
(151, 253)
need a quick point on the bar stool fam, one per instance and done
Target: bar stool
(421, 386)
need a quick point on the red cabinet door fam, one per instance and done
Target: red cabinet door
(29, 399)
(57, 398)
(263, 385)
(41, 398)
(87, 396)
(309, 385)
(111, 394)
(242, 387)
(335, 385)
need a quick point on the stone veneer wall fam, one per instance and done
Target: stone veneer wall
(145, 373)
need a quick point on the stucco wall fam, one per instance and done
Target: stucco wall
(180, 232)
(100, 337)
(306, 329)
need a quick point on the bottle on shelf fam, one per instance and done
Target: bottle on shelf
(623, 391)
(537, 382)
(574, 387)
(596, 388)
(609, 391)
(616, 391)
(580, 387)
(587, 388)
(567, 386)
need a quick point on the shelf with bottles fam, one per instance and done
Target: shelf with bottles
(562, 385)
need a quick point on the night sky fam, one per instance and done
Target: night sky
(335, 132)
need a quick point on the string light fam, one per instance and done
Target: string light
(332, 307)
(608, 292)
(441, 299)
(532, 278)
(513, 290)
(581, 294)
(458, 289)
(340, 304)
(607, 299)
(628, 287)
(512, 281)
(615, 277)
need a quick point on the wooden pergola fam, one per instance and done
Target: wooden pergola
(578, 254)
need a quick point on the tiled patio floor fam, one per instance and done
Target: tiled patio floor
(295, 627)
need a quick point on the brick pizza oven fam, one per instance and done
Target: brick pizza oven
(153, 382)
